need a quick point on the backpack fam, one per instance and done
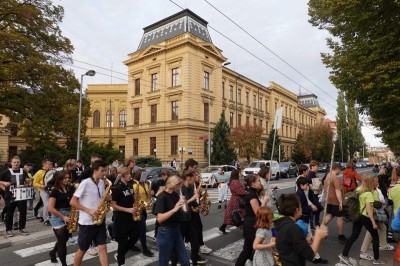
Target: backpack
(237, 218)
(347, 180)
(351, 205)
(49, 179)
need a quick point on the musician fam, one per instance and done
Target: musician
(222, 178)
(122, 203)
(39, 184)
(87, 172)
(59, 207)
(14, 176)
(167, 209)
(87, 199)
(144, 195)
(156, 188)
(70, 166)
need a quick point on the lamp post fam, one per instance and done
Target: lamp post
(209, 113)
(341, 141)
(89, 73)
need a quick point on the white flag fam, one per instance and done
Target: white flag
(278, 118)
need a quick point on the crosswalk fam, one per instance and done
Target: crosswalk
(223, 256)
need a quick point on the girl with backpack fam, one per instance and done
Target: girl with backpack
(366, 220)
(350, 178)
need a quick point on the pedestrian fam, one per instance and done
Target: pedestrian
(222, 179)
(168, 210)
(156, 188)
(252, 203)
(265, 176)
(70, 166)
(237, 192)
(60, 208)
(334, 206)
(39, 184)
(123, 199)
(366, 220)
(263, 243)
(28, 169)
(14, 177)
(350, 178)
(291, 243)
(87, 199)
(315, 191)
(173, 164)
(79, 169)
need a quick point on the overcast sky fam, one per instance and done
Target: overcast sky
(104, 32)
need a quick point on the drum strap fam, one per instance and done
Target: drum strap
(17, 175)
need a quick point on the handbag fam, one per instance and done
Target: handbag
(380, 216)
(237, 218)
(242, 203)
(316, 185)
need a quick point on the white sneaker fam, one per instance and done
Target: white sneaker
(379, 262)
(188, 246)
(205, 250)
(386, 247)
(365, 256)
(92, 251)
(347, 260)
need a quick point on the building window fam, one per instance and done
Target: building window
(266, 105)
(266, 127)
(290, 113)
(231, 119)
(247, 98)
(231, 93)
(153, 115)
(255, 121)
(135, 146)
(154, 81)
(206, 113)
(239, 96)
(137, 87)
(174, 145)
(223, 90)
(109, 119)
(122, 118)
(205, 147)
(260, 103)
(175, 77)
(153, 145)
(254, 101)
(276, 106)
(136, 116)
(206, 80)
(239, 120)
(286, 113)
(287, 131)
(175, 110)
(247, 120)
(96, 119)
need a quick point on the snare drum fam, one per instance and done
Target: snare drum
(22, 193)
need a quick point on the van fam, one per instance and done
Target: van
(254, 167)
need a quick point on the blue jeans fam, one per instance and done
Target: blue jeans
(57, 222)
(169, 239)
(142, 230)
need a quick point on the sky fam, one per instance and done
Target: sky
(286, 46)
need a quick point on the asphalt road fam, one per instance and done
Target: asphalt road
(33, 250)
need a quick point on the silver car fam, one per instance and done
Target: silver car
(207, 174)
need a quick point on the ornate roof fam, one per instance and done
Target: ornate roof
(309, 100)
(184, 21)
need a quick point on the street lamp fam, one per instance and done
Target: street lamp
(209, 114)
(89, 73)
(341, 140)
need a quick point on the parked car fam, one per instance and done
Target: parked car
(207, 174)
(154, 173)
(323, 167)
(288, 169)
(254, 167)
(342, 165)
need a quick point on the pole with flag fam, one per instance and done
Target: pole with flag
(277, 125)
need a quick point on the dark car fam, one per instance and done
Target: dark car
(288, 169)
(323, 167)
(154, 173)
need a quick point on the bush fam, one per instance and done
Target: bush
(148, 162)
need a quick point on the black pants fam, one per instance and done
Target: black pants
(61, 245)
(127, 234)
(357, 226)
(189, 232)
(249, 234)
(198, 225)
(22, 206)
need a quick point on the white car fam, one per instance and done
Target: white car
(254, 167)
(207, 174)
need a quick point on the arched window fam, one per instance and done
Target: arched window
(96, 119)
(122, 118)
(109, 119)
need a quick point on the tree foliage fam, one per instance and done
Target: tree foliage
(247, 139)
(298, 154)
(365, 57)
(268, 147)
(36, 92)
(222, 152)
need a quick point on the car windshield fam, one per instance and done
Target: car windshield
(210, 169)
(254, 165)
(284, 164)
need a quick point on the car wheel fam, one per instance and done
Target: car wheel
(277, 176)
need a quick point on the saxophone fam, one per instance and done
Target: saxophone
(104, 206)
(72, 226)
(197, 208)
(148, 204)
(137, 204)
(205, 204)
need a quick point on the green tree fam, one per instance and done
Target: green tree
(342, 127)
(247, 139)
(298, 154)
(36, 92)
(357, 140)
(222, 152)
(268, 147)
(364, 59)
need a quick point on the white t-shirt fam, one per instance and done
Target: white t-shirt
(89, 194)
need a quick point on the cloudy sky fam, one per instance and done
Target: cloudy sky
(286, 50)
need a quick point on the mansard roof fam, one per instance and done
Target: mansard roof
(184, 21)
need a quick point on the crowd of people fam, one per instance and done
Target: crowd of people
(290, 238)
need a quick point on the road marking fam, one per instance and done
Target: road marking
(230, 252)
(26, 252)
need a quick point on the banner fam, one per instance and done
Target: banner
(278, 118)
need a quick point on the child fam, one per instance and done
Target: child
(291, 244)
(263, 243)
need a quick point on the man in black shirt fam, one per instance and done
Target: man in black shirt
(156, 188)
(14, 176)
(87, 173)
